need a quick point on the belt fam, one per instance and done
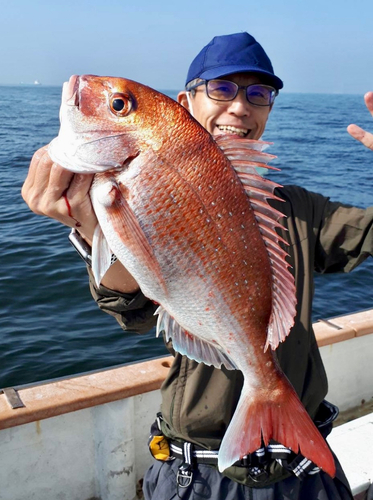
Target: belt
(254, 463)
(300, 466)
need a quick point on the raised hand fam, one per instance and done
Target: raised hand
(360, 134)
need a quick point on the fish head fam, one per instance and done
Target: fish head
(105, 122)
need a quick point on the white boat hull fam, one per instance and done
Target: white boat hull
(85, 438)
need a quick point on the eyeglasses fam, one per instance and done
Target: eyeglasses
(225, 90)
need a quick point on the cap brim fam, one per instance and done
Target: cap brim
(228, 70)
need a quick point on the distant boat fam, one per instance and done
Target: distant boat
(36, 82)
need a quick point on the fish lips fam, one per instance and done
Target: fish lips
(70, 91)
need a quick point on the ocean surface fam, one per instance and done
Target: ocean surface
(50, 326)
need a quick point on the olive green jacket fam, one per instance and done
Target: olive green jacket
(198, 401)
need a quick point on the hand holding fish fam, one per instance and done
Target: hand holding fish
(360, 134)
(60, 194)
(55, 192)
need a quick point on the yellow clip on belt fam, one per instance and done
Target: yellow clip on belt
(159, 448)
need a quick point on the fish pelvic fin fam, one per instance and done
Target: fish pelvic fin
(101, 255)
(261, 417)
(190, 345)
(246, 156)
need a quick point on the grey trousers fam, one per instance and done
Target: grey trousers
(208, 483)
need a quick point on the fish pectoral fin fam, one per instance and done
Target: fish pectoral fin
(127, 229)
(190, 345)
(101, 255)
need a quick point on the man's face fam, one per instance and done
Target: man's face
(224, 117)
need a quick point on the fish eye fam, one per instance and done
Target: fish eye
(120, 104)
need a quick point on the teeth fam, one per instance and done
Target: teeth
(234, 130)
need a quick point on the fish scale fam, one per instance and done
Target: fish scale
(189, 217)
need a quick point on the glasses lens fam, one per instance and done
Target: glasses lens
(221, 90)
(260, 95)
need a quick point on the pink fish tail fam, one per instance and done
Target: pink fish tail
(282, 418)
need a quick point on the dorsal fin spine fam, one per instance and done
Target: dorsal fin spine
(244, 156)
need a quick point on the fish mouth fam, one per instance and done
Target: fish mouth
(71, 91)
(230, 129)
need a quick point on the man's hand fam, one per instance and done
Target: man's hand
(358, 133)
(60, 194)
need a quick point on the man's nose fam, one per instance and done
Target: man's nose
(240, 105)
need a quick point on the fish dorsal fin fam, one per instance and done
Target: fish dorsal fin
(190, 345)
(246, 157)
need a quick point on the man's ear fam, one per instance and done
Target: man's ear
(182, 99)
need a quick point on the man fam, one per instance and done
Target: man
(230, 88)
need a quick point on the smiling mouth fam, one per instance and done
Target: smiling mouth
(228, 129)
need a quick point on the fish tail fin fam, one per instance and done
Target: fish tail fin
(284, 419)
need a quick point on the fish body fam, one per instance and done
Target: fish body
(188, 216)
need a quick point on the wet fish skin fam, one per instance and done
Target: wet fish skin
(174, 209)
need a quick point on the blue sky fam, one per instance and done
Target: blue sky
(315, 46)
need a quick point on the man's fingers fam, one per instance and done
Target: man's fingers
(37, 179)
(38, 154)
(81, 209)
(358, 133)
(35, 160)
(361, 135)
(59, 181)
(368, 98)
(80, 185)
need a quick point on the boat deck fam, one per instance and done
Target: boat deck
(352, 442)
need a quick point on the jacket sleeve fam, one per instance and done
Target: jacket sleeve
(134, 312)
(345, 237)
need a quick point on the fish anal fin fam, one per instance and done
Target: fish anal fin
(190, 345)
(283, 419)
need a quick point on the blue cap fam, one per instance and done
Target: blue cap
(237, 53)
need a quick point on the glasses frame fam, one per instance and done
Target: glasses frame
(238, 87)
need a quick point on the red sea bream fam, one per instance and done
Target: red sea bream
(188, 216)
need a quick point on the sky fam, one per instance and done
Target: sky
(315, 46)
